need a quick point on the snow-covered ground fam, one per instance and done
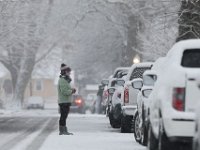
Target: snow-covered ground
(91, 132)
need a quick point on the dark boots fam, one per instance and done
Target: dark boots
(63, 131)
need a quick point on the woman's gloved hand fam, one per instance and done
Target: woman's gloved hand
(73, 90)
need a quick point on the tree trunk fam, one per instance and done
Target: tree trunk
(189, 21)
(22, 81)
(133, 42)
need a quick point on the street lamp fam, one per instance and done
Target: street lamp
(136, 59)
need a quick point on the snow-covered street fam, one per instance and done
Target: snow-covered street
(38, 130)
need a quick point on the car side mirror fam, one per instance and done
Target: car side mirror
(146, 92)
(149, 79)
(137, 84)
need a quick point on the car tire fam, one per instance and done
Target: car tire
(163, 141)
(113, 122)
(195, 144)
(126, 124)
(136, 128)
(152, 141)
(144, 137)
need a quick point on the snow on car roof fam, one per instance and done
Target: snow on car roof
(179, 47)
(143, 64)
(120, 68)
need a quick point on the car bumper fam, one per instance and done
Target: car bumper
(129, 110)
(35, 106)
(76, 109)
(179, 128)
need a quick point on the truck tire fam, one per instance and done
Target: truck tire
(113, 122)
(126, 124)
(152, 141)
(163, 141)
(136, 128)
(144, 136)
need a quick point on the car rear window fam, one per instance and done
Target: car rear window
(191, 58)
(119, 71)
(138, 72)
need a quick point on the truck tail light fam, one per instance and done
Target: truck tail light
(105, 94)
(126, 95)
(178, 102)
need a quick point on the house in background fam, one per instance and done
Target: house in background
(43, 87)
(42, 83)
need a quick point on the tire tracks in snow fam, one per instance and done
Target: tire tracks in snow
(39, 140)
(33, 127)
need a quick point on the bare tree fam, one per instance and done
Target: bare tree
(24, 29)
(189, 20)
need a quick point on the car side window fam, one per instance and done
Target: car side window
(138, 72)
(191, 58)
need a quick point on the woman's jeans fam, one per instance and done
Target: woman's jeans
(64, 111)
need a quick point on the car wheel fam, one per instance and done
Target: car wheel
(137, 127)
(163, 141)
(113, 122)
(152, 141)
(195, 143)
(126, 124)
(144, 135)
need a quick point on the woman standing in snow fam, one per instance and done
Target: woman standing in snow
(64, 98)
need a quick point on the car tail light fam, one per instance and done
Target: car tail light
(106, 93)
(179, 99)
(126, 95)
(78, 102)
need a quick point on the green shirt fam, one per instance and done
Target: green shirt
(64, 91)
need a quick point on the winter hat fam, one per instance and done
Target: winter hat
(63, 67)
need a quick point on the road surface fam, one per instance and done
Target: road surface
(38, 130)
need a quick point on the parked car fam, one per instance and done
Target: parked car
(145, 86)
(140, 123)
(129, 95)
(115, 113)
(35, 102)
(110, 90)
(173, 99)
(196, 138)
(118, 73)
(104, 95)
(91, 101)
(78, 104)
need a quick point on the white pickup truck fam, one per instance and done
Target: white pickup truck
(145, 86)
(129, 94)
(174, 98)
